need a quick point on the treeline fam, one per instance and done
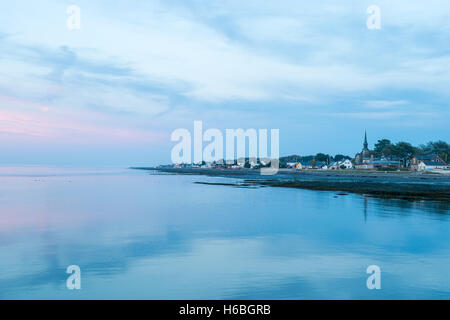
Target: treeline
(404, 150)
(383, 148)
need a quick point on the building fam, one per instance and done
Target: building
(310, 165)
(364, 156)
(291, 165)
(364, 166)
(254, 165)
(429, 161)
(320, 165)
(346, 163)
(384, 163)
(333, 166)
(430, 166)
(366, 161)
(306, 165)
(338, 165)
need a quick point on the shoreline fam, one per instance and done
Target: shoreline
(400, 185)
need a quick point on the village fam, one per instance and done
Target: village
(430, 158)
(383, 161)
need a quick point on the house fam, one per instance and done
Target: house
(346, 163)
(436, 159)
(337, 165)
(291, 165)
(304, 165)
(307, 165)
(313, 164)
(334, 166)
(430, 166)
(254, 165)
(320, 165)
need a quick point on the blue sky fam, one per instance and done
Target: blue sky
(113, 91)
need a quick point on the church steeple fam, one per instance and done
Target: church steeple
(366, 145)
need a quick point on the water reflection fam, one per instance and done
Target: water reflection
(433, 209)
(144, 236)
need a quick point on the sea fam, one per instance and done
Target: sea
(145, 235)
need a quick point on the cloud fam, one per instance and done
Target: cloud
(63, 79)
(26, 120)
(385, 115)
(384, 104)
(269, 47)
(154, 65)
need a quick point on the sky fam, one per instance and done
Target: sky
(113, 91)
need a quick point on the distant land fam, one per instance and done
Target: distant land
(385, 156)
(388, 171)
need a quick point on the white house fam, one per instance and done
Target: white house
(254, 164)
(291, 164)
(430, 165)
(337, 165)
(347, 163)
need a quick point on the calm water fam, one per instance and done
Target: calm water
(142, 236)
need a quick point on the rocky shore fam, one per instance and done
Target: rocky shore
(401, 185)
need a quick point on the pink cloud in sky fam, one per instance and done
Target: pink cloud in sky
(20, 119)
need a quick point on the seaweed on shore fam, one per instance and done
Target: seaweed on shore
(410, 187)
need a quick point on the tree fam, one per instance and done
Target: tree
(389, 151)
(340, 157)
(404, 150)
(440, 147)
(381, 145)
(322, 157)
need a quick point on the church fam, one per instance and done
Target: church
(365, 156)
(365, 160)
